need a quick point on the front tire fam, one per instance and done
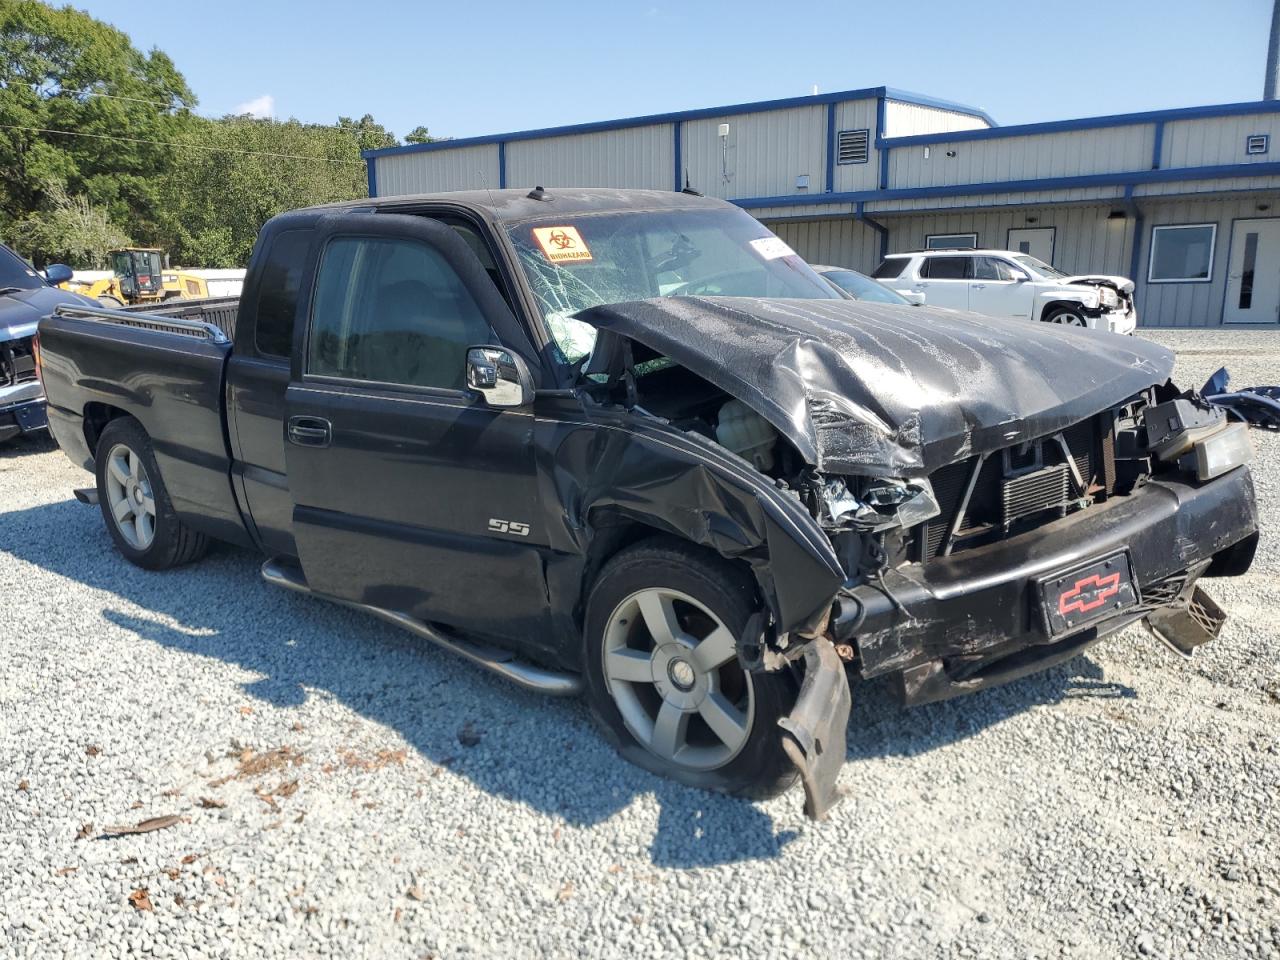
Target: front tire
(663, 679)
(135, 504)
(1066, 316)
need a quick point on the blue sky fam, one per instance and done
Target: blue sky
(464, 69)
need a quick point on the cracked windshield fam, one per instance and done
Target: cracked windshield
(580, 262)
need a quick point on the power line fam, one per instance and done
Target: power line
(183, 146)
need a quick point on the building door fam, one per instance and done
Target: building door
(1253, 273)
(1037, 241)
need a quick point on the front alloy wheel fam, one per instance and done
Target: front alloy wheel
(662, 673)
(672, 667)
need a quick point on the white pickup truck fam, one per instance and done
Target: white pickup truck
(1001, 283)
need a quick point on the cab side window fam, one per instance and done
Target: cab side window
(391, 311)
(992, 268)
(282, 267)
(947, 268)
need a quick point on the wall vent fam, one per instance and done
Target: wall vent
(852, 146)
(1257, 143)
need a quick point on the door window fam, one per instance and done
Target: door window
(992, 268)
(392, 311)
(947, 268)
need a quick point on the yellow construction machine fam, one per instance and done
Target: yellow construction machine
(139, 275)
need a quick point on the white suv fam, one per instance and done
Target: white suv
(1001, 283)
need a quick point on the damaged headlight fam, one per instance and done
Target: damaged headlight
(1197, 437)
(1108, 297)
(883, 505)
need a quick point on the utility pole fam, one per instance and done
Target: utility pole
(1273, 55)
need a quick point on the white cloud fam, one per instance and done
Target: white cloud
(263, 107)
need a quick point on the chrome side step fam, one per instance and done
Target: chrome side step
(501, 662)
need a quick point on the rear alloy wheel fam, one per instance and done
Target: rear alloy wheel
(135, 504)
(663, 676)
(1067, 316)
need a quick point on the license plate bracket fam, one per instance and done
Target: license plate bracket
(1087, 593)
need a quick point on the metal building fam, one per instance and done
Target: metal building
(1184, 201)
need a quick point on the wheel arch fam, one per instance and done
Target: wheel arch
(96, 417)
(1059, 302)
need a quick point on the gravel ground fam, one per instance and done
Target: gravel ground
(343, 790)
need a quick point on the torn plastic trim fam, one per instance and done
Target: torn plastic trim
(813, 735)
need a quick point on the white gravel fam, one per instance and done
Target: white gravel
(1122, 805)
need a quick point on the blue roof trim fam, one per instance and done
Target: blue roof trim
(371, 173)
(502, 164)
(830, 177)
(703, 113)
(1022, 186)
(1092, 123)
(677, 135)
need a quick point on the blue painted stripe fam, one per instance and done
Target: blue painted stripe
(371, 172)
(762, 106)
(831, 148)
(1135, 256)
(1093, 123)
(677, 151)
(881, 144)
(1022, 186)
(1157, 147)
(876, 225)
(502, 164)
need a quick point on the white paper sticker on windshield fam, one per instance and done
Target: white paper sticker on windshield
(771, 248)
(561, 244)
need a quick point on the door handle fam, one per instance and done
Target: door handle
(979, 286)
(310, 431)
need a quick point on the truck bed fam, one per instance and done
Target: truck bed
(219, 311)
(165, 367)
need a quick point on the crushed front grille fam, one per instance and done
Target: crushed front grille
(17, 363)
(1019, 488)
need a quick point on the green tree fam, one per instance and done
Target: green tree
(68, 230)
(111, 109)
(419, 134)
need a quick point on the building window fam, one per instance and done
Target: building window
(1182, 254)
(951, 241)
(852, 146)
(1257, 143)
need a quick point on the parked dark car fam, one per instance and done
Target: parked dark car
(861, 287)
(628, 443)
(25, 297)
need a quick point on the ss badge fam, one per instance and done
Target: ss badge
(509, 526)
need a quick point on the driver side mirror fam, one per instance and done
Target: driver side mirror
(913, 297)
(1018, 276)
(500, 376)
(57, 273)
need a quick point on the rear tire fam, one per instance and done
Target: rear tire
(111, 303)
(662, 674)
(135, 504)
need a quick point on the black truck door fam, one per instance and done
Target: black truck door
(409, 492)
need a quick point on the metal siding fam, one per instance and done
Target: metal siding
(1037, 156)
(1194, 304)
(765, 152)
(842, 242)
(1218, 140)
(1073, 195)
(909, 119)
(858, 115)
(466, 168)
(639, 157)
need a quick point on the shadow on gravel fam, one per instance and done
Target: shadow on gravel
(27, 445)
(534, 750)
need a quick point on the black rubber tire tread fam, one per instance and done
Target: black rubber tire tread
(761, 770)
(174, 543)
(1050, 316)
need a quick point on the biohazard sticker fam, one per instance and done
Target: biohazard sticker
(561, 244)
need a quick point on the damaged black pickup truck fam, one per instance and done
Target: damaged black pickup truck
(627, 443)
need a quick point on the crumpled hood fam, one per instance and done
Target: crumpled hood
(888, 390)
(1123, 284)
(21, 311)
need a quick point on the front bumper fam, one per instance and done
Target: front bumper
(982, 606)
(22, 410)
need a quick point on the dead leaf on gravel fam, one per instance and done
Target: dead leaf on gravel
(179, 899)
(245, 711)
(137, 805)
(268, 799)
(209, 803)
(565, 892)
(416, 893)
(298, 818)
(286, 789)
(140, 899)
(66, 870)
(173, 873)
(23, 786)
(382, 758)
(191, 858)
(146, 826)
(398, 915)
(85, 831)
(92, 751)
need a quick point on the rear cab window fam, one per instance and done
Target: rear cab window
(283, 263)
